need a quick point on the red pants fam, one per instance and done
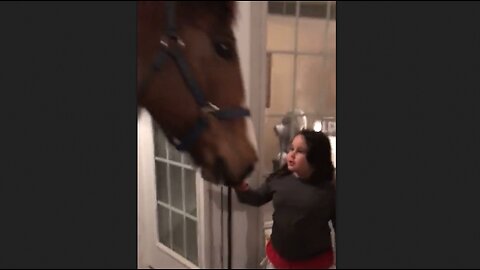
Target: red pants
(323, 261)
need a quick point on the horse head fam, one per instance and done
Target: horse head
(189, 80)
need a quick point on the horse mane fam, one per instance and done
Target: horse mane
(223, 12)
(213, 12)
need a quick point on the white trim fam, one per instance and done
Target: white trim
(170, 215)
(178, 211)
(185, 214)
(176, 163)
(202, 247)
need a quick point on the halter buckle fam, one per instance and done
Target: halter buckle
(210, 108)
(165, 40)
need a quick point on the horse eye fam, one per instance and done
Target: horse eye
(224, 50)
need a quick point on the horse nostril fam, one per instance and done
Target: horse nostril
(224, 175)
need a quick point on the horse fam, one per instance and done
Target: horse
(189, 80)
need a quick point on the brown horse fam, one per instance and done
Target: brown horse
(189, 80)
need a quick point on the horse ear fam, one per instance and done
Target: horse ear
(231, 8)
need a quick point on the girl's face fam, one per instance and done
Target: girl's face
(297, 158)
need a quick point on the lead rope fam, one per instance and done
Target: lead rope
(229, 229)
(221, 227)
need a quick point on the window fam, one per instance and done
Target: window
(313, 9)
(301, 57)
(176, 199)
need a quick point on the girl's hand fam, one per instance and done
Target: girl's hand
(242, 186)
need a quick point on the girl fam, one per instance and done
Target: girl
(303, 197)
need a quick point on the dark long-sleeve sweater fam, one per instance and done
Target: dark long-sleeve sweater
(301, 214)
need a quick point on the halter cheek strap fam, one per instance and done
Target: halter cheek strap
(170, 49)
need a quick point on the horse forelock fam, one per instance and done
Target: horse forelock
(216, 12)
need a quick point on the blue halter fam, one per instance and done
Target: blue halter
(170, 48)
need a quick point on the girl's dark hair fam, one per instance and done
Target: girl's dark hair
(319, 156)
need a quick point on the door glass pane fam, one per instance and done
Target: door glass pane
(331, 43)
(192, 249)
(333, 11)
(279, 96)
(190, 193)
(312, 26)
(162, 187)
(313, 9)
(280, 30)
(313, 94)
(275, 7)
(163, 225)
(176, 187)
(177, 231)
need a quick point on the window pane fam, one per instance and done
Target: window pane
(331, 45)
(190, 192)
(176, 187)
(279, 98)
(311, 35)
(276, 7)
(313, 92)
(313, 9)
(192, 250)
(333, 11)
(177, 231)
(332, 83)
(290, 8)
(163, 225)
(162, 188)
(280, 33)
